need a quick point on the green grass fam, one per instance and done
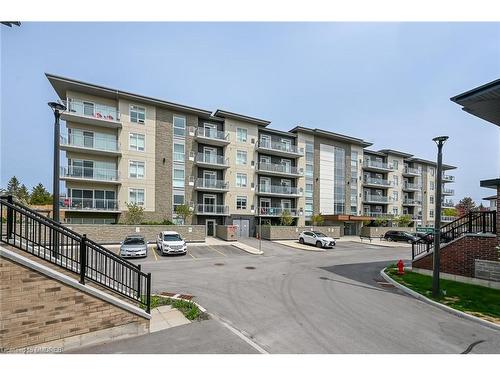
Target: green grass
(472, 299)
(188, 308)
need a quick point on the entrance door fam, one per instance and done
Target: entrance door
(210, 226)
(350, 229)
(243, 227)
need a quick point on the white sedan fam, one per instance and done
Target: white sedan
(170, 242)
(316, 238)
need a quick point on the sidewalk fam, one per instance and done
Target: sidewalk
(374, 241)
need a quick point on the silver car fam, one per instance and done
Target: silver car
(134, 246)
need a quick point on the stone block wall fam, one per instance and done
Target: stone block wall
(380, 231)
(487, 269)
(226, 232)
(272, 233)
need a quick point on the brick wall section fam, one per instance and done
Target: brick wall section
(37, 309)
(458, 257)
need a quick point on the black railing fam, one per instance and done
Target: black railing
(473, 222)
(44, 238)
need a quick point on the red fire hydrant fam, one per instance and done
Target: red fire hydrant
(401, 267)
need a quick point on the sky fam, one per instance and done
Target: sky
(387, 83)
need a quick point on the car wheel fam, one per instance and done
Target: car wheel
(319, 244)
(301, 240)
(410, 241)
(389, 239)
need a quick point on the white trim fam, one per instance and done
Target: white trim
(173, 125)
(130, 116)
(246, 137)
(143, 193)
(236, 179)
(129, 144)
(137, 161)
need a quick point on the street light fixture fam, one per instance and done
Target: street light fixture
(437, 213)
(57, 108)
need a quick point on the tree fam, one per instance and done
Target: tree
(403, 220)
(40, 195)
(23, 194)
(184, 211)
(465, 206)
(13, 186)
(317, 219)
(135, 213)
(286, 218)
(382, 221)
(450, 212)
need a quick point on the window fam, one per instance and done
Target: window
(241, 203)
(431, 213)
(431, 185)
(136, 169)
(241, 180)
(432, 170)
(88, 109)
(241, 135)
(395, 196)
(396, 180)
(395, 211)
(136, 196)
(178, 177)
(431, 199)
(178, 199)
(395, 164)
(179, 154)
(241, 157)
(137, 114)
(136, 142)
(179, 126)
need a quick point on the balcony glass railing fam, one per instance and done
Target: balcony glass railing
(279, 146)
(90, 173)
(377, 164)
(208, 183)
(92, 110)
(409, 201)
(279, 168)
(376, 181)
(411, 186)
(216, 209)
(277, 211)
(210, 159)
(448, 191)
(95, 142)
(212, 134)
(85, 220)
(448, 178)
(448, 218)
(447, 204)
(89, 204)
(413, 171)
(376, 198)
(277, 189)
(378, 214)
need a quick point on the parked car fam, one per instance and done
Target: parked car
(423, 237)
(316, 238)
(134, 246)
(397, 235)
(170, 242)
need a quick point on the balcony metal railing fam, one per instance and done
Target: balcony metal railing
(448, 178)
(448, 219)
(448, 191)
(88, 220)
(377, 164)
(208, 183)
(94, 143)
(277, 189)
(412, 171)
(210, 159)
(279, 146)
(448, 204)
(90, 173)
(212, 134)
(411, 186)
(378, 214)
(93, 110)
(410, 201)
(376, 198)
(215, 209)
(88, 204)
(277, 211)
(279, 168)
(376, 181)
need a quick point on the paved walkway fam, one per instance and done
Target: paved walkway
(165, 317)
(374, 241)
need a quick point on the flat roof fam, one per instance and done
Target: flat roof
(482, 101)
(396, 152)
(237, 116)
(279, 132)
(332, 135)
(490, 198)
(493, 183)
(433, 163)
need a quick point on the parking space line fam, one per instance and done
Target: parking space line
(220, 252)
(154, 253)
(192, 256)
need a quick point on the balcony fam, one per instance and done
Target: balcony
(210, 160)
(90, 174)
(376, 182)
(447, 204)
(212, 209)
(278, 191)
(448, 192)
(276, 211)
(279, 149)
(411, 202)
(91, 113)
(89, 220)
(89, 205)
(279, 170)
(369, 164)
(412, 172)
(378, 214)
(208, 184)
(448, 178)
(212, 136)
(408, 186)
(376, 199)
(448, 219)
(89, 144)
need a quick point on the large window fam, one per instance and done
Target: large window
(178, 177)
(178, 198)
(136, 169)
(179, 126)
(136, 142)
(179, 153)
(431, 213)
(431, 199)
(241, 135)
(136, 196)
(241, 203)
(395, 196)
(431, 183)
(241, 157)
(137, 114)
(339, 181)
(241, 180)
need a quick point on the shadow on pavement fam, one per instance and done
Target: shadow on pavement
(366, 273)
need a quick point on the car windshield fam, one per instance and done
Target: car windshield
(319, 234)
(134, 241)
(172, 237)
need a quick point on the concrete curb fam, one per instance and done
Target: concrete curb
(299, 246)
(437, 304)
(247, 248)
(202, 309)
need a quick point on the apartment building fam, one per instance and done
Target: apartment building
(124, 148)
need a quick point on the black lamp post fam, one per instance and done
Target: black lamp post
(57, 108)
(437, 214)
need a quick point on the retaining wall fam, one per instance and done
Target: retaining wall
(380, 231)
(272, 233)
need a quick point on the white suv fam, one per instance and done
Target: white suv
(316, 238)
(170, 242)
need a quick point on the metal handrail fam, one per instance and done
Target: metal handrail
(411, 201)
(376, 181)
(279, 168)
(279, 146)
(210, 159)
(377, 164)
(209, 183)
(449, 191)
(93, 143)
(410, 186)
(277, 211)
(212, 134)
(46, 239)
(90, 173)
(410, 170)
(278, 189)
(100, 111)
(376, 198)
